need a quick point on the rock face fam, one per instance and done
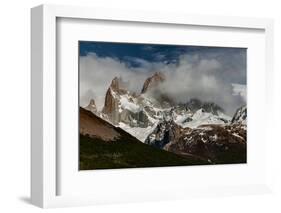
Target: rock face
(118, 85)
(111, 106)
(123, 106)
(111, 103)
(92, 106)
(153, 81)
(164, 133)
(240, 116)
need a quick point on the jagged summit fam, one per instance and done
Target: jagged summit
(111, 102)
(92, 106)
(115, 83)
(240, 116)
(118, 85)
(153, 81)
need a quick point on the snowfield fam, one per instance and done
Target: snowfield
(201, 118)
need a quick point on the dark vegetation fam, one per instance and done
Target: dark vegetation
(127, 152)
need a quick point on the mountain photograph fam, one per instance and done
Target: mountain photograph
(156, 105)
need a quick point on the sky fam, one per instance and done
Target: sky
(200, 72)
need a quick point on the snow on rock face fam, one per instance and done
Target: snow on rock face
(163, 133)
(213, 142)
(123, 106)
(240, 116)
(138, 132)
(200, 118)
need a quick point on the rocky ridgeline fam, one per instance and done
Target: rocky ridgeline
(124, 106)
(153, 82)
(240, 116)
(92, 106)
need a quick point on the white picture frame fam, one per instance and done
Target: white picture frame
(44, 154)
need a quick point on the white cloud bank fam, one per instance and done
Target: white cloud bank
(191, 77)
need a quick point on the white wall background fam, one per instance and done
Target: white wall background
(15, 103)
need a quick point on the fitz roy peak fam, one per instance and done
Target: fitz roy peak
(153, 82)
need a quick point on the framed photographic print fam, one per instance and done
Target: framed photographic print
(130, 106)
(148, 105)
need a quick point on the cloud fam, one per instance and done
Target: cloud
(205, 77)
(202, 80)
(96, 74)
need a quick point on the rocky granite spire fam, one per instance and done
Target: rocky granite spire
(92, 106)
(118, 85)
(153, 81)
(116, 88)
(111, 105)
